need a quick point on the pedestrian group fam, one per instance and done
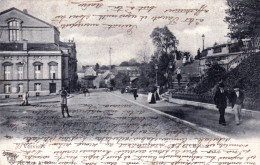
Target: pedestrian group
(236, 98)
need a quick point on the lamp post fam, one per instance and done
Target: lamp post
(110, 59)
(203, 38)
(156, 69)
(169, 75)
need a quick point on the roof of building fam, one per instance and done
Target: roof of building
(30, 47)
(122, 68)
(67, 44)
(13, 8)
(222, 55)
(90, 72)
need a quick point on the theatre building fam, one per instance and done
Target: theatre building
(32, 57)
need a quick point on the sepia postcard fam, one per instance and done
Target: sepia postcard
(129, 82)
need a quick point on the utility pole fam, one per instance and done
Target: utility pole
(110, 59)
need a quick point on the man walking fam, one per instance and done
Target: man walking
(220, 100)
(135, 93)
(179, 77)
(237, 99)
(25, 98)
(63, 102)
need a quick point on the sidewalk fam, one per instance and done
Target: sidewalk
(34, 100)
(204, 118)
(245, 112)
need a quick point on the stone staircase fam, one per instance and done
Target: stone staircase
(165, 96)
(187, 71)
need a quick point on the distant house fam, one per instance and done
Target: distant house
(89, 77)
(103, 80)
(131, 71)
(90, 72)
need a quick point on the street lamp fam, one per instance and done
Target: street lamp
(203, 38)
(169, 75)
(156, 69)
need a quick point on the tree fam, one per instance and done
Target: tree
(166, 47)
(104, 67)
(96, 67)
(179, 55)
(121, 80)
(132, 62)
(112, 82)
(143, 54)
(243, 18)
(144, 80)
(124, 63)
(214, 74)
(147, 76)
(164, 40)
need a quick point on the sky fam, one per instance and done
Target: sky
(93, 43)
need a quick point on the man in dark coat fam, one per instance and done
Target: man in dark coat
(220, 100)
(63, 102)
(237, 99)
(135, 93)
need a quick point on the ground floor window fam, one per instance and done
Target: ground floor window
(37, 87)
(7, 88)
(20, 88)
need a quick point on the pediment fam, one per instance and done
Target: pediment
(25, 19)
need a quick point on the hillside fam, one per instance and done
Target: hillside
(247, 75)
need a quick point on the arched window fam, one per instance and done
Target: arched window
(53, 70)
(8, 68)
(38, 70)
(14, 28)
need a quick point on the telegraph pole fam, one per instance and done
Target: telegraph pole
(110, 58)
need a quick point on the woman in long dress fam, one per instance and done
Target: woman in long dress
(151, 96)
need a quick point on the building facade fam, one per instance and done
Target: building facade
(32, 58)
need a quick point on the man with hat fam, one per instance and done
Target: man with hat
(237, 99)
(220, 100)
(63, 102)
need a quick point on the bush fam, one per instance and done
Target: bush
(246, 75)
(213, 75)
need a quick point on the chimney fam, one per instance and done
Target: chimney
(25, 11)
(25, 43)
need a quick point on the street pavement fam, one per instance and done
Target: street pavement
(113, 128)
(199, 118)
(204, 118)
(49, 121)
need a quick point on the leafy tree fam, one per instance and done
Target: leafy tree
(124, 63)
(214, 74)
(179, 55)
(96, 67)
(243, 18)
(132, 62)
(112, 82)
(247, 76)
(166, 46)
(104, 67)
(148, 74)
(121, 80)
(143, 54)
(164, 40)
(144, 80)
